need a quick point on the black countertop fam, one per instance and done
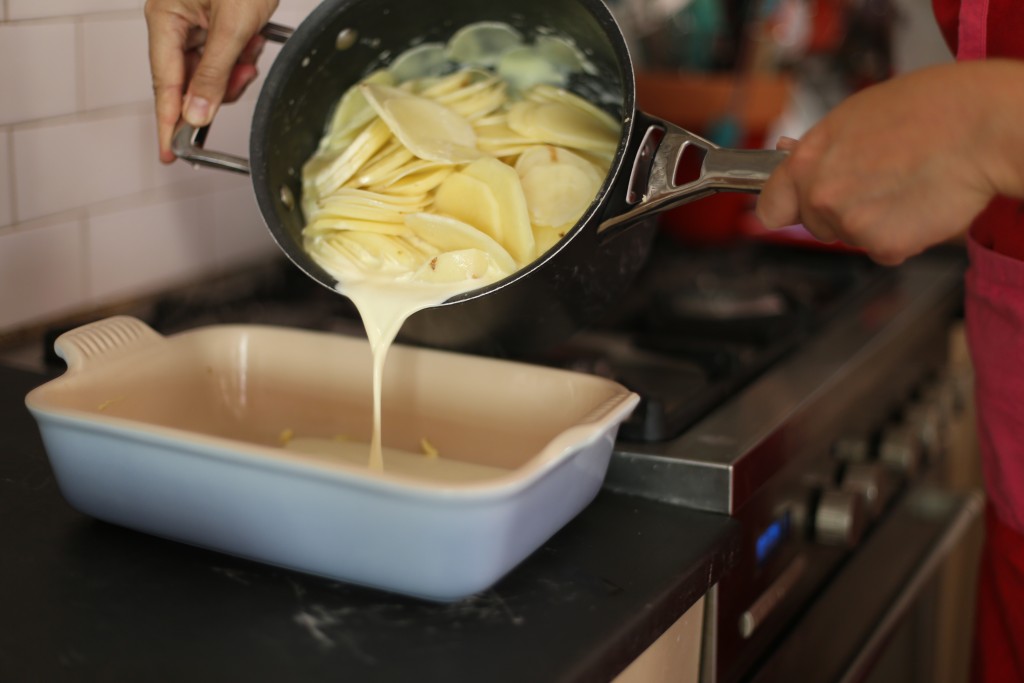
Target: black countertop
(85, 600)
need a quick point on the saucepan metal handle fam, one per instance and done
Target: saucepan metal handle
(188, 140)
(653, 185)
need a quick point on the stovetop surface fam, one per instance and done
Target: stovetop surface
(701, 323)
(698, 325)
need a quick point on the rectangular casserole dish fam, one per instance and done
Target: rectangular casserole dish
(181, 436)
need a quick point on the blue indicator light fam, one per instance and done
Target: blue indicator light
(771, 537)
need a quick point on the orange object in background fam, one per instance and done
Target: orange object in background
(698, 102)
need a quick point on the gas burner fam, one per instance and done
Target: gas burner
(725, 304)
(700, 324)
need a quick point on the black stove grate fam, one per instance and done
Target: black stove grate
(701, 323)
(696, 327)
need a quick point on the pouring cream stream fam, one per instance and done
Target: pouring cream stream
(431, 182)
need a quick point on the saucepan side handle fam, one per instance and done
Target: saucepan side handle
(188, 140)
(653, 186)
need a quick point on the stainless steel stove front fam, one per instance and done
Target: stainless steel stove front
(813, 457)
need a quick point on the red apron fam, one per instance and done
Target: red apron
(976, 29)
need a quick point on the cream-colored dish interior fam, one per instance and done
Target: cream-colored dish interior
(264, 386)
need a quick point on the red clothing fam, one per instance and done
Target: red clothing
(1004, 27)
(999, 656)
(995, 334)
(976, 29)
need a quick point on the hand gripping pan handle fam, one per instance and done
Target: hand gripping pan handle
(187, 142)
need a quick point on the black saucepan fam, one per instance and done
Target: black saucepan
(575, 281)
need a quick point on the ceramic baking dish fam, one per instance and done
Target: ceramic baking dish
(182, 436)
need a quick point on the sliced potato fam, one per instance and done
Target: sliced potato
(480, 104)
(498, 117)
(458, 265)
(352, 113)
(415, 166)
(430, 130)
(562, 124)
(357, 211)
(547, 237)
(482, 43)
(557, 194)
(523, 68)
(516, 234)
(471, 82)
(471, 201)
(563, 55)
(397, 202)
(546, 93)
(416, 184)
(447, 176)
(391, 252)
(449, 234)
(422, 61)
(351, 160)
(551, 154)
(382, 169)
(500, 135)
(436, 88)
(329, 224)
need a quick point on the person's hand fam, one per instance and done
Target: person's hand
(906, 164)
(202, 53)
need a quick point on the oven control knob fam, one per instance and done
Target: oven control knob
(839, 518)
(872, 482)
(924, 420)
(900, 449)
(852, 448)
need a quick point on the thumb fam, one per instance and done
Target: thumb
(228, 35)
(778, 205)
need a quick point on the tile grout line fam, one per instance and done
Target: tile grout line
(95, 114)
(80, 94)
(85, 254)
(5, 14)
(12, 182)
(180, 191)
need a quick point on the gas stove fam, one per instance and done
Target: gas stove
(800, 391)
(815, 402)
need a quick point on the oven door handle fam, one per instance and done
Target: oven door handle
(849, 623)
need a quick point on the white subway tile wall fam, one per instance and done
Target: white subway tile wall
(43, 271)
(71, 162)
(37, 70)
(108, 78)
(88, 216)
(142, 249)
(37, 9)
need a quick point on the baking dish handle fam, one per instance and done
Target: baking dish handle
(188, 140)
(103, 341)
(611, 413)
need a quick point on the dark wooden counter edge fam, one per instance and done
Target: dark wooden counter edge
(87, 600)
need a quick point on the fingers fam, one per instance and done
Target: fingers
(786, 144)
(230, 32)
(168, 33)
(783, 200)
(779, 205)
(245, 71)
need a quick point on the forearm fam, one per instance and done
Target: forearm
(995, 90)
